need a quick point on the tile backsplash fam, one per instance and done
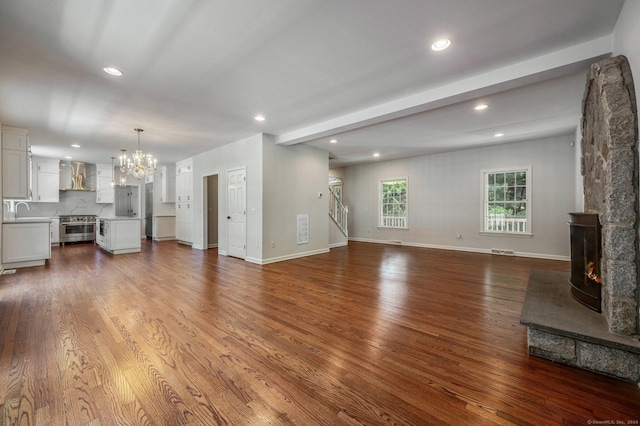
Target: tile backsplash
(71, 203)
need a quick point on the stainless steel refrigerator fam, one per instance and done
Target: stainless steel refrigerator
(123, 204)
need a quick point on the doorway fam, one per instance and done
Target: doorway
(210, 186)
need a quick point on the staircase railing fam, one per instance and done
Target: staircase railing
(338, 212)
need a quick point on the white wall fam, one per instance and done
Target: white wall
(626, 39)
(293, 177)
(243, 153)
(445, 197)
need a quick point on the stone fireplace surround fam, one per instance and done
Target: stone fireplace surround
(559, 328)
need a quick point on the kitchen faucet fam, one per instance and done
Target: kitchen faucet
(23, 203)
(12, 207)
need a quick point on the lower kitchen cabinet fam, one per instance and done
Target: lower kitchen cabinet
(119, 235)
(164, 228)
(25, 243)
(55, 231)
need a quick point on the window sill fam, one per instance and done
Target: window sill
(393, 227)
(507, 234)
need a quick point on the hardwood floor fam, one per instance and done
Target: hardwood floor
(367, 334)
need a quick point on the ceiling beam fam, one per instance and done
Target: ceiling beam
(550, 65)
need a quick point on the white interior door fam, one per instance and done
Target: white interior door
(237, 212)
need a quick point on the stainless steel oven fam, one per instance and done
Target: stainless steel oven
(74, 229)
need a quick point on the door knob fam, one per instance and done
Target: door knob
(228, 217)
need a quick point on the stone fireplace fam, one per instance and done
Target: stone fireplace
(560, 328)
(610, 176)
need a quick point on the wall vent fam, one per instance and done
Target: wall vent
(503, 252)
(397, 242)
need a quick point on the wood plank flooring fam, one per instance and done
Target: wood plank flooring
(365, 335)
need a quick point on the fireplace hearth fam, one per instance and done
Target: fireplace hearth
(586, 281)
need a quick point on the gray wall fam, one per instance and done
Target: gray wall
(243, 153)
(282, 182)
(445, 197)
(293, 177)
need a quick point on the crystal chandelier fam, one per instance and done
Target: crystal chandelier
(138, 165)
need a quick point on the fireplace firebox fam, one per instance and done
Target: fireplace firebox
(586, 278)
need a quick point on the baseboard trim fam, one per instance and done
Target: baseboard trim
(287, 257)
(213, 245)
(458, 248)
(334, 245)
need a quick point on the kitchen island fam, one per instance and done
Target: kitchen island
(118, 235)
(25, 242)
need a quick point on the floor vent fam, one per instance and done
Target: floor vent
(8, 271)
(503, 252)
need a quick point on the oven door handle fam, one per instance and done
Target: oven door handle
(77, 223)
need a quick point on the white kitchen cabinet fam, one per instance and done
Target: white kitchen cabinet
(184, 188)
(184, 198)
(105, 193)
(164, 228)
(25, 243)
(168, 182)
(15, 163)
(184, 166)
(55, 231)
(46, 180)
(119, 235)
(183, 223)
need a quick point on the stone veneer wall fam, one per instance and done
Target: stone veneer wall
(610, 174)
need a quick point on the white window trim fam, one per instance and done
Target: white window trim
(406, 222)
(483, 201)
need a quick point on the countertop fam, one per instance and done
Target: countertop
(28, 220)
(117, 218)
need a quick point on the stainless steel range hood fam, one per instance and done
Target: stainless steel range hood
(77, 176)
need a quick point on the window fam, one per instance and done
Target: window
(393, 203)
(507, 201)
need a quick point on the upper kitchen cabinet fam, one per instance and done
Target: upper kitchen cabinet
(184, 196)
(104, 188)
(15, 163)
(184, 181)
(168, 182)
(45, 180)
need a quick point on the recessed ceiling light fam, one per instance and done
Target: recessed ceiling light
(68, 158)
(260, 118)
(376, 154)
(499, 135)
(333, 141)
(441, 44)
(75, 145)
(481, 107)
(113, 71)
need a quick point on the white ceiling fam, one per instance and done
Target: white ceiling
(360, 71)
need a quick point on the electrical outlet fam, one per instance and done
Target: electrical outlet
(273, 244)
